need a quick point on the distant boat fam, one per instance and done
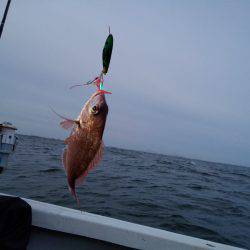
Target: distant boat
(8, 142)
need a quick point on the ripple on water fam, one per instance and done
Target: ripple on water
(50, 170)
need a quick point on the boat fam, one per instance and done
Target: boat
(55, 227)
(8, 142)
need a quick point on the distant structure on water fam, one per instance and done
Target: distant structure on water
(8, 141)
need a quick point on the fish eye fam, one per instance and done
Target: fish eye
(94, 110)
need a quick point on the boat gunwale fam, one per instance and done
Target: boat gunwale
(67, 220)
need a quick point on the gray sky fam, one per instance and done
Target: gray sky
(179, 74)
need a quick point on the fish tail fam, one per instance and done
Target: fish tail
(73, 192)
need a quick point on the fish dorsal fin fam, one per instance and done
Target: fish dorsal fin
(64, 158)
(93, 163)
(97, 158)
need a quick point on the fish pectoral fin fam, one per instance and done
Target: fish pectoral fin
(97, 158)
(68, 123)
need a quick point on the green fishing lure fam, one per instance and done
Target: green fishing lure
(106, 56)
(106, 53)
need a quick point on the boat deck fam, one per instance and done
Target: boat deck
(49, 239)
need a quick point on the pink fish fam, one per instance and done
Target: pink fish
(84, 145)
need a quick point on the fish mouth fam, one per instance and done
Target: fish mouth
(102, 92)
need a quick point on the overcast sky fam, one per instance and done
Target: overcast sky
(179, 74)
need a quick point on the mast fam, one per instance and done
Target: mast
(4, 17)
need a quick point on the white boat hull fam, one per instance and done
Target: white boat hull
(56, 227)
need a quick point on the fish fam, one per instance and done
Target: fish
(84, 146)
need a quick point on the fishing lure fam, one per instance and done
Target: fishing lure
(106, 57)
(106, 53)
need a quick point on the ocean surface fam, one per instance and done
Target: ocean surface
(192, 197)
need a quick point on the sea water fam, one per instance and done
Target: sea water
(192, 197)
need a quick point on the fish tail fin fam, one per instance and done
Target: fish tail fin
(73, 192)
